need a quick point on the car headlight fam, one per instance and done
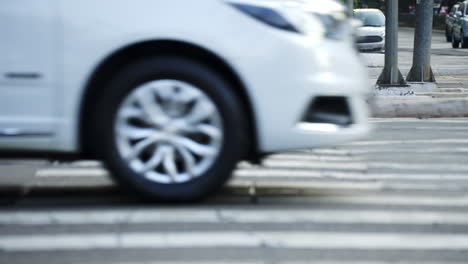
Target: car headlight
(294, 18)
(334, 24)
(266, 15)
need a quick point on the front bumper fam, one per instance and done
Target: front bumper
(297, 133)
(371, 46)
(283, 88)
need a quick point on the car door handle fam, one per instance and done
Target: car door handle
(23, 75)
(16, 132)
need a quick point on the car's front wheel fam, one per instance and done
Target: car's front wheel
(448, 36)
(172, 129)
(464, 41)
(455, 42)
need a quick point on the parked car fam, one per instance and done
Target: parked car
(449, 21)
(170, 95)
(371, 34)
(460, 27)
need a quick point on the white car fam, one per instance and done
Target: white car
(170, 95)
(371, 33)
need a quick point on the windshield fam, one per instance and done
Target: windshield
(370, 19)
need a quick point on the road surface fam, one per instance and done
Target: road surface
(400, 196)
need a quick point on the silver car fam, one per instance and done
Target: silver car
(371, 34)
(449, 21)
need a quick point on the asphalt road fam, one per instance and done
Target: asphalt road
(400, 196)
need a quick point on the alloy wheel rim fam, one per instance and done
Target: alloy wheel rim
(169, 131)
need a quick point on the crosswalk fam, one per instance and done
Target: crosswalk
(349, 204)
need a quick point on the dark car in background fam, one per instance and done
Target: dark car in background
(449, 20)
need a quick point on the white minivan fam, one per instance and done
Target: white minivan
(171, 94)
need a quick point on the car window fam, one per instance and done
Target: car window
(370, 19)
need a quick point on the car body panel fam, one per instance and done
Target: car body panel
(370, 37)
(29, 74)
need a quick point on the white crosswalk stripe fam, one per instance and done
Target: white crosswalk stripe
(285, 262)
(315, 240)
(413, 141)
(234, 216)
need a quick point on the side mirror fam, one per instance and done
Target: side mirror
(458, 14)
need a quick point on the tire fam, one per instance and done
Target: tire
(464, 41)
(210, 115)
(455, 42)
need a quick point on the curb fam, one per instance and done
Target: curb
(418, 106)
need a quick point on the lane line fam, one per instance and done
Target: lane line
(284, 240)
(72, 172)
(243, 179)
(288, 262)
(218, 262)
(236, 216)
(314, 157)
(363, 165)
(418, 121)
(299, 169)
(416, 166)
(323, 174)
(400, 200)
(412, 141)
(392, 149)
(316, 165)
(439, 128)
(304, 179)
(306, 185)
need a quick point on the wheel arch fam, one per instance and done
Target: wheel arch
(112, 63)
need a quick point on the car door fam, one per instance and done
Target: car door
(28, 73)
(459, 21)
(464, 21)
(451, 18)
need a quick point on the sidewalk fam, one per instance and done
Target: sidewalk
(448, 98)
(444, 103)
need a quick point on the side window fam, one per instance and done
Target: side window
(461, 8)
